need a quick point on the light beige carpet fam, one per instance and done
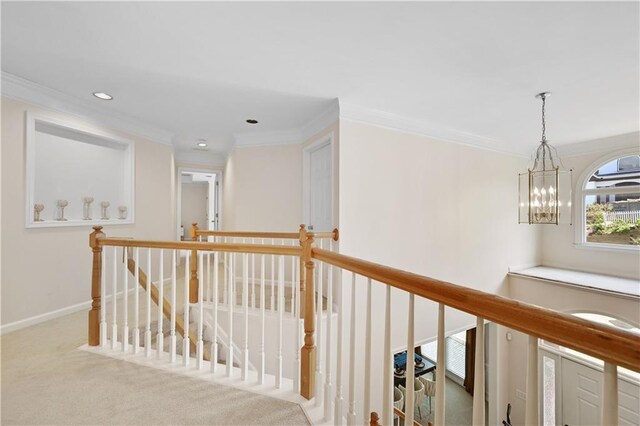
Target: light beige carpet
(46, 380)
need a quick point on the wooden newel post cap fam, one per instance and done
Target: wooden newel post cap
(374, 419)
(336, 234)
(93, 237)
(193, 231)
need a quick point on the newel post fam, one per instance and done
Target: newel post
(308, 352)
(96, 277)
(193, 280)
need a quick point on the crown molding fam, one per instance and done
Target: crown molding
(280, 137)
(422, 128)
(199, 157)
(601, 145)
(18, 88)
(290, 136)
(321, 121)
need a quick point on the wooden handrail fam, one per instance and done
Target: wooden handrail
(401, 414)
(195, 232)
(601, 341)
(203, 246)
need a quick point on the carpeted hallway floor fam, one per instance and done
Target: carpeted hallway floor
(46, 380)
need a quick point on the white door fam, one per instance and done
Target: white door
(320, 203)
(582, 396)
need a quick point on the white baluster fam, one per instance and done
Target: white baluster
(245, 305)
(200, 330)
(440, 370)
(160, 334)
(114, 290)
(351, 417)
(231, 297)
(253, 277)
(147, 333)
(298, 339)
(273, 277)
(125, 302)
(186, 346)
(261, 370)
(328, 401)
(226, 272)
(367, 356)
(172, 325)
(136, 301)
(478, 380)
(293, 283)
(531, 414)
(103, 299)
(610, 395)
(319, 346)
(387, 383)
(280, 319)
(208, 274)
(409, 394)
(337, 417)
(214, 341)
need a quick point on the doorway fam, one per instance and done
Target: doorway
(318, 185)
(198, 201)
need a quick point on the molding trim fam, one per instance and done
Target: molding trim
(321, 122)
(37, 319)
(200, 158)
(601, 145)
(18, 88)
(282, 137)
(290, 136)
(423, 128)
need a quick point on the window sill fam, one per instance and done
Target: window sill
(615, 248)
(597, 282)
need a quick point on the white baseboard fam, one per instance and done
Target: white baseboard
(37, 319)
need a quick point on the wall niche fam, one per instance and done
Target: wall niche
(67, 166)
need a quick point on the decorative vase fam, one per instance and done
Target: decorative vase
(86, 208)
(122, 212)
(105, 213)
(37, 208)
(61, 205)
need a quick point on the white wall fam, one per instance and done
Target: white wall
(194, 205)
(45, 270)
(439, 209)
(262, 189)
(558, 246)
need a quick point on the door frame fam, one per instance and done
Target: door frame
(218, 201)
(319, 143)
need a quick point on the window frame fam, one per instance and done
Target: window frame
(581, 193)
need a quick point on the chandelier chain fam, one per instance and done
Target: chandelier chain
(544, 124)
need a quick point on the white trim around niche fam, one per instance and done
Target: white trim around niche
(96, 137)
(306, 155)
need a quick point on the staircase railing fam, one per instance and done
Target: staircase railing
(323, 349)
(613, 346)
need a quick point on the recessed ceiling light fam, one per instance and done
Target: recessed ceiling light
(252, 121)
(103, 96)
(202, 144)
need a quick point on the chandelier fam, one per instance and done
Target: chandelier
(544, 192)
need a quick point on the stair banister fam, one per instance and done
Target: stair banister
(96, 287)
(308, 351)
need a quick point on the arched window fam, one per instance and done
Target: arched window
(610, 203)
